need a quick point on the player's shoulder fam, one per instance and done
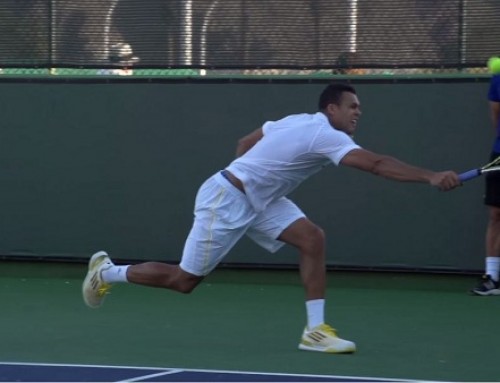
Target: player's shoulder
(310, 120)
(297, 117)
(290, 121)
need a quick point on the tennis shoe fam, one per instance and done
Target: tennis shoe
(323, 338)
(94, 289)
(487, 286)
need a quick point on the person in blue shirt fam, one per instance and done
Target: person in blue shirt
(490, 284)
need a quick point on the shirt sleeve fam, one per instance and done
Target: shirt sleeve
(494, 90)
(333, 144)
(267, 126)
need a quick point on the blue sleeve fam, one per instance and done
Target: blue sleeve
(494, 91)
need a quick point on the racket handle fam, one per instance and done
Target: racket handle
(469, 175)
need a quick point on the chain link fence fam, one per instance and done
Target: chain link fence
(247, 37)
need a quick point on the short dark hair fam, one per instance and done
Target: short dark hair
(332, 94)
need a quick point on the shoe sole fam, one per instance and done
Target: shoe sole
(486, 293)
(326, 350)
(88, 277)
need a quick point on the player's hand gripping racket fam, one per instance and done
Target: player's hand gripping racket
(493, 166)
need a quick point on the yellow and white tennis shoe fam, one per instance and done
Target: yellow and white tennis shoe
(323, 338)
(94, 289)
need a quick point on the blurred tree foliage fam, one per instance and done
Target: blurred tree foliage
(24, 32)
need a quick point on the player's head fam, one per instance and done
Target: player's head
(332, 94)
(340, 104)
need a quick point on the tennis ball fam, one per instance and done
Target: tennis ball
(494, 65)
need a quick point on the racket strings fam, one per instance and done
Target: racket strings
(494, 163)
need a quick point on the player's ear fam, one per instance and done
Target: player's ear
(331, 109)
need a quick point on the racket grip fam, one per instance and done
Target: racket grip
(469, 175)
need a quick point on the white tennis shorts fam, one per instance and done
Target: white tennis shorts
(222, 216)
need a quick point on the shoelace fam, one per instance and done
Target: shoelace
(488, 283)
(329, 330)
(104, 289)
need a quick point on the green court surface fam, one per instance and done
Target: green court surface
(409, 326)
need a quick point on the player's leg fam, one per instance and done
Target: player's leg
(489, 284)
(222, 215)
(493, 241)
(309, 239)
(283, 222)
(103, 273)
(158, 274)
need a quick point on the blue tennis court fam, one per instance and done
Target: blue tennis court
(30, 372)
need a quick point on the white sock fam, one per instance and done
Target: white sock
(493, 267)
(115, 274)
(315, 312)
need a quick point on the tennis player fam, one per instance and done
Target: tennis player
(249, 197)
(489, 284)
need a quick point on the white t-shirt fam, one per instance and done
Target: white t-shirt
(292, 149)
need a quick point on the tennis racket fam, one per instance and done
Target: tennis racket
(493, 166)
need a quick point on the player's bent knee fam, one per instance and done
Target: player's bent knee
(185, 289)
(304, 235)
(185, 282)
(313, 240)
(319, 234)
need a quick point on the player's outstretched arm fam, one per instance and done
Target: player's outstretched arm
(394, 169)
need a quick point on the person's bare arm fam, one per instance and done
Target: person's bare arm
(394, 169)
(247, 142)
(494, 113)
